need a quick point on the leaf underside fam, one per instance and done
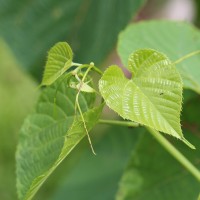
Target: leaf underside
(175, 39)
(152, 97)
(59, 61)
(48, 136)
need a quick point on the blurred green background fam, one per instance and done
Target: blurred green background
(27, 30)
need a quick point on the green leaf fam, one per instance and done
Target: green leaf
(152, 173)
(59, 61)
(30, 32)
(175, 39)
(153, 96)
(49, 135)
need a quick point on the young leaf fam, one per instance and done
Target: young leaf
(175, 39)
(153, 96)
(49, 135)
(59, 61)
(83, 87)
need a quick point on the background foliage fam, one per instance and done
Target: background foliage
(90, 27)
(27, 30)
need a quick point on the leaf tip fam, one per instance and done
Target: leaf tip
(188, 143)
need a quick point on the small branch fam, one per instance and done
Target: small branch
(120, 123)
(76, 64)
(80, 66)
(175, 153)
(164, 142)
(186, 57)
(97, 70)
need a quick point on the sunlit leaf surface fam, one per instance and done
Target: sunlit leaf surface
(59, 60)
(153, 95)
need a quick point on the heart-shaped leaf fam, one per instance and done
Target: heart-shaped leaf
(59, 61)
(153, 96)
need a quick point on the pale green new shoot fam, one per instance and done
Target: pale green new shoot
(81, 86)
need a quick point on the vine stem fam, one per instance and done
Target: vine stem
(175, 153)
(118, 122)
(186, 57)
(164, 142)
